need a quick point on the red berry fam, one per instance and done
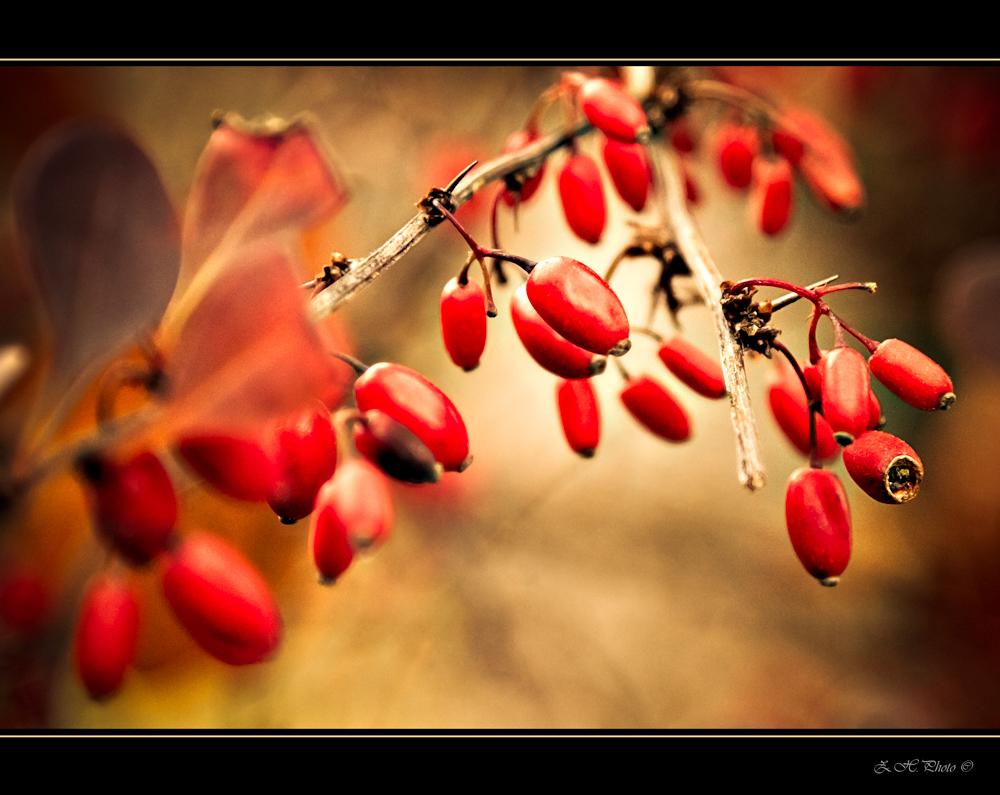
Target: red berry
(819, 522)
(788, 403)
(582, 198)
(548, 348)
(107, 634)
(305, 456)
(239, 468)
(738, 146)
(394, 448)
(579, 305)
(884, 467)
(25, 601)
(411, 399)
(353, 511)
(134, 504)
(845, 382)
(681, 135)
(629, 169)
(611, 110)
(825, 161)
(771, 202)
(463, 322)
(911, 376)
(222, 601)
(515, 143)
(788, 146)
(580, 416)
(652, 405)
(696, 369)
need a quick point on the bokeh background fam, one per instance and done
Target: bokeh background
(640, 589)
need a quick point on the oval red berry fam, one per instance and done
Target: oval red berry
(790, 409)
(222, 601)
(239, 468)
(846, 386)
(696, 369)
(819, 522)
(107, 634)
(911, 376)
(411, 399)
(548, 348)
(463, 322)
(629, 169)
(304, 451)
(580, 416)
(611, 110)
(653, 406)
(771, 200)
(737, 146)
(582, 196)
(579, 305)
(884, 467)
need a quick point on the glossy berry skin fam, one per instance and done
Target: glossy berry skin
(884, 467)
(580, 416)
(738, 146)
(790, 409)
(911, 376)
(653, 406)
(613, 111)
(222, 601)
(239, 468)
(304, 452)
(579, 305)
(694, 368)
(463, 322)
(629, 169)
(515, 143)
(107, 634)
(771, 201)
(846, 387)
(819, 522)
(394, 448)
(353, 511)
(582, 196)
(133, 502)
(547, 347)
(411, 399)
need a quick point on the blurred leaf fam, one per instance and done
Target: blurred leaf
(100, 238)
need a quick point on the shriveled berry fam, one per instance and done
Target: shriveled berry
(629, 169)
(239, 468)
(819, 523)
(547, 347)
(411, 399)
(846, 386)
(463, 322)
(221, 600)
(653, 406)
(582, 196)
(304, 451)
(353, 511)
(395, 449)
(771, 200)
(611, 110)
(107, 634)
(738, 145)
(884, 467)
(790, 409)
(696, 369)
(580, 415)
(133, 501)
(911, 376)
(579, 305)
(527, 185)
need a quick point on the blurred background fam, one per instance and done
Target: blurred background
(640, 589)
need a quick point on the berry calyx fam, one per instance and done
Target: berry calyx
(107, 634)
(629, 169)
(548, 348)
(611, 110)
(693, 367)
(221, 600)
(411, 399)
(818, 517)
(305, 457)
(652, 405)
(239, 468)
(463, 322)
(884, 467)
(579, 305)
(582, 198)
(911, 376)
(133, 502)
(580, 415)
